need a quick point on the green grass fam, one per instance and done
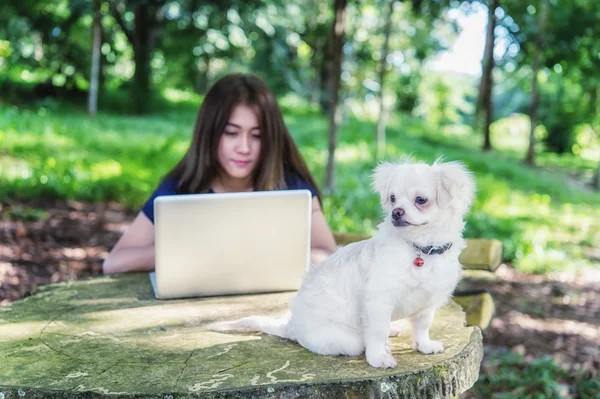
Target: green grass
(54, 150)
(509, 375)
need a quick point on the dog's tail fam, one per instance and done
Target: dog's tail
(270, 325)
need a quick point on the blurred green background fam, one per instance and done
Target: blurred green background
(416, 70)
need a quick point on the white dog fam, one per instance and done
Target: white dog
(408, 269)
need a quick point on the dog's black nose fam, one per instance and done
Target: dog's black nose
(397, 213)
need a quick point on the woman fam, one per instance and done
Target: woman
(240, 143)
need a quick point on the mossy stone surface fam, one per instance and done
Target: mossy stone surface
(107, 337)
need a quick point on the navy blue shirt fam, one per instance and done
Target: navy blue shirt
(169, 187)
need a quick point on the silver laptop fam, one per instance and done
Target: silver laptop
(231, 243)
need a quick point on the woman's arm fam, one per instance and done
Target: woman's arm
(322, 243)
(134, 252)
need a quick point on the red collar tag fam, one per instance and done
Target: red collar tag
(418, 261)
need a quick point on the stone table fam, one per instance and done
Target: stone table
(107, 337)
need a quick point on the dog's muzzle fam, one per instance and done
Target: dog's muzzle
(397, 217)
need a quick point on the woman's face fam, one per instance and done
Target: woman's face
(239, 145)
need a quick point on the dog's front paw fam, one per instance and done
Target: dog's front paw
(428, 347)
(382, 361)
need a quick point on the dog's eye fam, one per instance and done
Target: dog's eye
(392, 198)
(420, 200)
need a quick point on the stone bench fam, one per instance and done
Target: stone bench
(108, 337)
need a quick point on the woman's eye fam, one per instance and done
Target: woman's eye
(392, 198)
(229, 133)
(256, 136)
(420, 200)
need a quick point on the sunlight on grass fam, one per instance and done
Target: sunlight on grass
(26, 140)
(315, 158)
(180, 96)
(512, 133)
(14, 168)
(543, 224)
(360, 152)
(506, 202)
(106, 170)
(293, 104)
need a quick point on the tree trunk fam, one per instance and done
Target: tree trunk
(142, 53)
(596, 178)
(381, 122)
(324, 71)
(337, 41)
(314, 97)
(201, 73)
(146, 17)
(318, 64)
(95, 69)
(535, 96)
(485, 101)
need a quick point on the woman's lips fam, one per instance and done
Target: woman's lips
(241, 164)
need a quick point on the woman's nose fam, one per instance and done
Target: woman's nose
(243, 143)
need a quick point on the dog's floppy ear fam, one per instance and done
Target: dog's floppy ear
(381, 179)
(455, 187)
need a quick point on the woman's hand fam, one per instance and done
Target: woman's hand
(322, 243)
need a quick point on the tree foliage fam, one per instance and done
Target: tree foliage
(152, 44)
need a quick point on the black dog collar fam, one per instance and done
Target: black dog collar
(432, 250)
(429, 250)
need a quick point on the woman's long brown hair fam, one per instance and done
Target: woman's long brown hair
(279, 157)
